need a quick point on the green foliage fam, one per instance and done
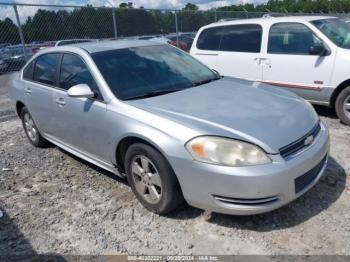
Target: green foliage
(8, 32)
(190, 7)
(126, 5)
(90, 22)
(295, 6)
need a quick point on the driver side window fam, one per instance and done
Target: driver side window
(73, 72)
(291, 39)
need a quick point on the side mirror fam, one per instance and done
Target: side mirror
(318, 50)
(81, 90)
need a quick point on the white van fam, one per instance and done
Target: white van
(307, 55)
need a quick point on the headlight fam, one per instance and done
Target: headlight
(224, 151)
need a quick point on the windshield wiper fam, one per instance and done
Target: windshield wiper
(206, 81)
(153, 93)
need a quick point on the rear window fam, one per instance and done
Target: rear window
(210, 38)
(242, 38)
(234, 38)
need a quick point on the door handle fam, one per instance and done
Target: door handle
(60, 101)
(262, 61)
(27, 91)
(266, 62)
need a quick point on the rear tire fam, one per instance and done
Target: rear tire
(342, 105)
(31, 130)
(152, 179)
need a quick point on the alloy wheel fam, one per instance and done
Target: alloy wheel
(146, 179)
(346, 106)
(30, 127)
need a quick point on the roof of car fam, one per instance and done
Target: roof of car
(271, 18)
(94, 47)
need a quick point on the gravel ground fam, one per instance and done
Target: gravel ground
(52, 202)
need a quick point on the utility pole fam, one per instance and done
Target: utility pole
(177, 30)
(114, 19)
(246, 12)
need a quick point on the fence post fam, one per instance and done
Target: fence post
(114, 23)
(20, 32)
(177, 30)
(246, 12)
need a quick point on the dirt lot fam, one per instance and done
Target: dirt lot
(52, 202)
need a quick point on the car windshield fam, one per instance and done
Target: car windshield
(13, 52)
(147, 71)
(336, 30)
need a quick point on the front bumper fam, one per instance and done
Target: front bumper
(254, 189)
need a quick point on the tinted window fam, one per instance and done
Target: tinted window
(45, 69)
(291, 38)
(210, 39)
(242, 38)
(336, 30)
(74, 72)
(28, 71)
(150, 70)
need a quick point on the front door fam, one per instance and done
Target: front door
(289, 63)
(81, 122)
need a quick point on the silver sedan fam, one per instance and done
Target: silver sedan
(173, 127)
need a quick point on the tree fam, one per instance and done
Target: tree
(8, 32)
(190, 7)
(90, 22)
(126, 5)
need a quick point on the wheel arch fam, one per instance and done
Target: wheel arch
(126, 142)
(337, 91)
(19, 107)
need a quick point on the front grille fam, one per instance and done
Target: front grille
(300, 143)
(246, 201)
(305, 180)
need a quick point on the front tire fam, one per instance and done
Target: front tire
(342, 106)
(31, 130)
(152, 179)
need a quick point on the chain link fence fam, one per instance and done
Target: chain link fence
(27, 28)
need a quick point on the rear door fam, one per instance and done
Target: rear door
(206, 47)
(289, 64)
(40, 78)
(239, 51)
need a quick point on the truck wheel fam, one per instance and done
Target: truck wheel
(342, 106)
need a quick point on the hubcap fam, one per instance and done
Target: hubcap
(30, 127)
(346, 106)
(146, 179)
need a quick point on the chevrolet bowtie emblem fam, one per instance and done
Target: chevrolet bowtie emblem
(309, 140)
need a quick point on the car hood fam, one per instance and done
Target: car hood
(254, 112)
